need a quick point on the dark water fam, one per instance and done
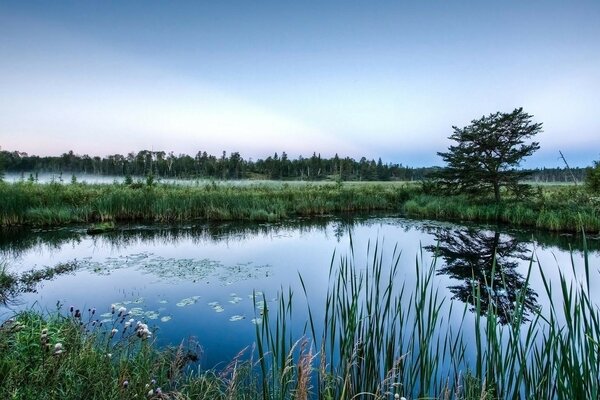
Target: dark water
(199, 280)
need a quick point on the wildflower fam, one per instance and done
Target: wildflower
(150, 393)
(112, 333)
(122, 311)
(71, 309)
(58, 349)
(77, 313)
(125, 384)
(44, 331)
(112, 308)
(93, 311)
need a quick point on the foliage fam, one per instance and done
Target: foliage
(592, 178)
(486, 154)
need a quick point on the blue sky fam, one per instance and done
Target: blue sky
(379, 79)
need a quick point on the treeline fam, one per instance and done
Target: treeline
(204, 165)
(234, 166)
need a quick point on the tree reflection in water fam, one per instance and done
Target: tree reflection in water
(485, 261)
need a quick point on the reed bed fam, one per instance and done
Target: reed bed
(383, 340)
(56, 204)
(557, 208)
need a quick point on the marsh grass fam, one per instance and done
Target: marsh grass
(76, 357)
(556, 208)
(26, 203)
(380, 339)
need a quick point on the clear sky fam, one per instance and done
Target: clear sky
(375, 78)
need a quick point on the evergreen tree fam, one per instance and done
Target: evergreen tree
(487, 153)
(592, 178)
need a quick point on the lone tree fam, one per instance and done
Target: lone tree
(487, 153)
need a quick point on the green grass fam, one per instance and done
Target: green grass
(55, 204)
(565, 208)
(556, 208)
(379, 338)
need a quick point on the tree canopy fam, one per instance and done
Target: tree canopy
(487, 153)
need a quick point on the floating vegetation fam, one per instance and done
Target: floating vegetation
(136, 311)
(260, 305)
(176, 269)
(188, 301)
(163, 302)
(235, 318)
(166, 318)
(256, 295)
(151, 314)
(235, 299)
(216, 306)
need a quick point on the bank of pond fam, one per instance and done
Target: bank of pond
(566, 208)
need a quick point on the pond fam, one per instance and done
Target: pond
(208, 280)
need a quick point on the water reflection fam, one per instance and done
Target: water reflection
(486, 261)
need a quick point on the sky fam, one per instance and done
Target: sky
(377, 79)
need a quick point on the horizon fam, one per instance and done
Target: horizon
(383, 80)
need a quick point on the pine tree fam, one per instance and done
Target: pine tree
(487, 153)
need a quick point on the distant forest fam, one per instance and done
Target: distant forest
(233, 166)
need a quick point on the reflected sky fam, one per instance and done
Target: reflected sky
(198, 280)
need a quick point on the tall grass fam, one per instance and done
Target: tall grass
(380, 339)
(55, 204)
(566, 208)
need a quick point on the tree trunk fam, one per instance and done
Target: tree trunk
(497, 192)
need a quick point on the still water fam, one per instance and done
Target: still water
(207, 281)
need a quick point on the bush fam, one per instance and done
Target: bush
(592, 178)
